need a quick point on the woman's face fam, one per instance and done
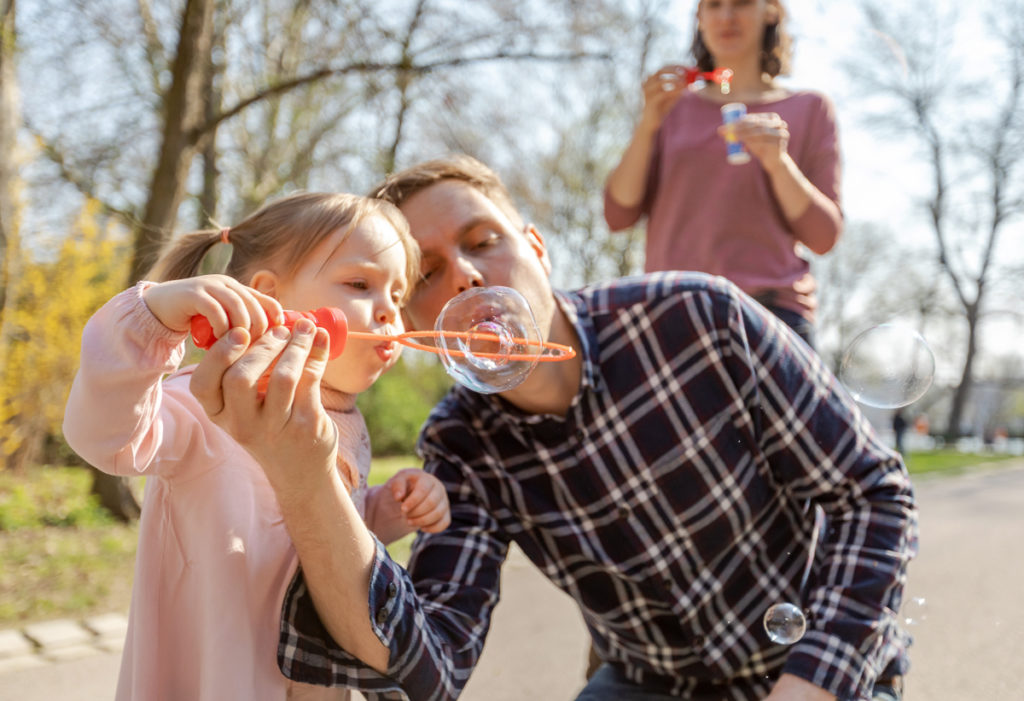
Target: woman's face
(733, 29)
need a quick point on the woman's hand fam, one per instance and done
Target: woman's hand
(423, 499)
(765, 136)
(662, 89)
(225, 302)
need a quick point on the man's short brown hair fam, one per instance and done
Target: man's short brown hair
(400, 186)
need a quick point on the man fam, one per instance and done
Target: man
(663, 478)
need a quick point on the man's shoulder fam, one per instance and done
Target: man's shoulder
(651, 289)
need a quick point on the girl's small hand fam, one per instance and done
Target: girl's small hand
(765, 135)
(662, 89)
(423, 499)
(225, 302)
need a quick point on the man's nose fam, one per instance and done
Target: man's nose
(467, 276)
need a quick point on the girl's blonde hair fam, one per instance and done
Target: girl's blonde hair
(282, 234)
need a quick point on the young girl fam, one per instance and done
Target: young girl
(214, 556)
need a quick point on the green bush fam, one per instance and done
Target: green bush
(399, 402)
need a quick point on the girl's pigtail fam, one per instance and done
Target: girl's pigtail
(183, 257)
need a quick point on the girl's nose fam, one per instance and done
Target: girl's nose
(387, 312)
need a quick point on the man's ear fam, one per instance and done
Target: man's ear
(265, 281)
(536, 242)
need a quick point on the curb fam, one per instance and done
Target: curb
(39, 644)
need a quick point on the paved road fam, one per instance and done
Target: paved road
(968, 637)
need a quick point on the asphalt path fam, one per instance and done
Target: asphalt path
(968, 631)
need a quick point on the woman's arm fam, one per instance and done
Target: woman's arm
(627, 184)
(812, 210)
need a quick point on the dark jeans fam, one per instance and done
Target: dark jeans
(796, 321)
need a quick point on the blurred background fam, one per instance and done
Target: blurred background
(124, 122)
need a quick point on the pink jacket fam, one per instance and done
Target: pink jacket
(214, 557)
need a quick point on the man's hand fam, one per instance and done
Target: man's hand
(792, 688)
(287, 429)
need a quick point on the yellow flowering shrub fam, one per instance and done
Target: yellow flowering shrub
(40, 341)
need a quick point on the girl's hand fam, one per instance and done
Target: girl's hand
(423, 499)
(224, 301)
(662, 90)
(765, 135)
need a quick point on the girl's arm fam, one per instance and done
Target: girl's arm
(411, 500)
(112, 417)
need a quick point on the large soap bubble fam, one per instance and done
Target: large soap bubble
(488, 339)
(888, 366)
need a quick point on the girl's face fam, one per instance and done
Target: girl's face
(363, 274)
(734, 29)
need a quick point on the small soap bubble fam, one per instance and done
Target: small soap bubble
(494, 342)
(785, 623)
(915, 611)
(888, 366)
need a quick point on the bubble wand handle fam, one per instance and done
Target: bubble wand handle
(333, 320)
(329, 318)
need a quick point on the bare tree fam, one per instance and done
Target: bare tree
(971, 136)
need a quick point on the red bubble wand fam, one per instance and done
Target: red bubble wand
(722, 76)
(333, 320)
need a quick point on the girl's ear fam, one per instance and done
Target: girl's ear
(265, 281)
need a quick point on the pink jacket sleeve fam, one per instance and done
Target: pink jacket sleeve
(116, 417)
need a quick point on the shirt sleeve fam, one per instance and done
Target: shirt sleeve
(117, 417)
(822, 449)
(433, 618)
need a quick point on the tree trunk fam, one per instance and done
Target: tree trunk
(963, 390)
(8, 170)
(184, 114)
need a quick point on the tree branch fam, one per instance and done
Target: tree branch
(373, 67)
(77, 180)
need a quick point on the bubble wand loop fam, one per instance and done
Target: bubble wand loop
(334, 321)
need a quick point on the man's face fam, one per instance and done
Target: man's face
(467, 241)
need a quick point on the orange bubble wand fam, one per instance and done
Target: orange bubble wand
(333, 320)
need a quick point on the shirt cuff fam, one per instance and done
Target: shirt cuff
(307, 653)
(847, 672)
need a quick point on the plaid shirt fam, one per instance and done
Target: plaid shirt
(671, 503)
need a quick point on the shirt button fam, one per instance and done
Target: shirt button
(699, 641)
(623, 511)
(382, 616)
(392, 590)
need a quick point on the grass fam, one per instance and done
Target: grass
(63, 556)
(949, 461)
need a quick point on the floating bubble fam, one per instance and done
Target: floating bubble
(915, 611)
(490, 340)
(785, 623)
(888, 366)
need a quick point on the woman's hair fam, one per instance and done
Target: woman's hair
(776, 45)
(400, 186)
(281, 235)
